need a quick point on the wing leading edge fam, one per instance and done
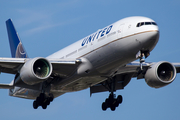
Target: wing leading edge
(13, 65)
(125, 74)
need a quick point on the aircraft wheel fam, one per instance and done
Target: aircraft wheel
(43, 101)
(113, 107)
(107, 102)
(51, 97)
(119, 99)
(44, 105)
(104, 106)
(35, 105)
(47, 101)
(112, 102)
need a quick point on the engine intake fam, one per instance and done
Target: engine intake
(35, 70)
(41, 68)
(160, 74)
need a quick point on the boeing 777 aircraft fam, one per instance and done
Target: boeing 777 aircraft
(102, 61)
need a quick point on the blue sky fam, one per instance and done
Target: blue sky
(47, 26)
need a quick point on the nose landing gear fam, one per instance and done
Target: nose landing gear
(141, 60)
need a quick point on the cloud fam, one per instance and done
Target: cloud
(43, 13)
(41, 17)
(30, 16)
(43, 26)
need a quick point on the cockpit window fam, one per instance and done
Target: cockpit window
(142, 24)
(145, 23)
(154, 23)
(138, 25)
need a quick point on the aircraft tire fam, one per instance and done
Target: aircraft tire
(48, 102)
(107, 102)
(35, 105)
(44, 106)
(51, 97)
(104, 106)
(119, 99)
(113, 107)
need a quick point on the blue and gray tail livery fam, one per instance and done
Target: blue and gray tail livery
(17, 49)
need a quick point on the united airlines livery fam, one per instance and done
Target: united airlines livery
(102, 61)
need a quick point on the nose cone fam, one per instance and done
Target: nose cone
(154, 36)
(155, 28)
(151, 38)
(153, 32)
(149, 35)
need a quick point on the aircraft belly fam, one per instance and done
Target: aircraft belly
(80, 83)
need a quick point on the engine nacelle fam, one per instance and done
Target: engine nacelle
(35, 70)
(160, 74)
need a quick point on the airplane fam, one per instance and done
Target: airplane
(106, 60)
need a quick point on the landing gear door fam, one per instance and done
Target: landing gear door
(120, 31)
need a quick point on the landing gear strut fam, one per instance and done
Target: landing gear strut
(43, 100)
(112, 102)
(141, 60)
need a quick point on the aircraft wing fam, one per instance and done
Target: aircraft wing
(177, 65)
(124, 75)
(133, 68)
(64, 67)
(11, 65)
(60, 66)
(6, 86)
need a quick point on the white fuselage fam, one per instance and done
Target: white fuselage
(121, 43)
(107, 50)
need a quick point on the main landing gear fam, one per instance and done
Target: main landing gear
(111, 102)
(43, 100)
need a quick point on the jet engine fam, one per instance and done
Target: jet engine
(160, 74)
(35, 70)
